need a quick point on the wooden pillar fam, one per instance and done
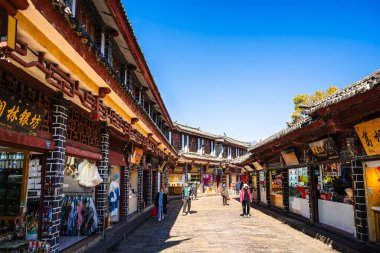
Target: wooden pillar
(285, 189)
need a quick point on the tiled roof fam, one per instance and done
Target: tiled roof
(221, 138)
(281, 133)
(236, 142)
(196, 131)
(347, 92)
(192, 155)
(241, 159)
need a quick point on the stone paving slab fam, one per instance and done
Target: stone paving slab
(212, 227)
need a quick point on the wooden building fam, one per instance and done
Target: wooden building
(204, 158)
(326, 169)
(82, 123)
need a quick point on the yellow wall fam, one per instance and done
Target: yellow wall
(373, 199)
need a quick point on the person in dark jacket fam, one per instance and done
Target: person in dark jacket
(160, 202)
(245, 199)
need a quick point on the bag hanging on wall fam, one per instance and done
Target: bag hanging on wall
(154, 211)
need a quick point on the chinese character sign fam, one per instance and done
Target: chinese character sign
(18, 115)
(369, 134)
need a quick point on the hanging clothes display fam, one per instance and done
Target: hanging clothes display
(114, 200)
(78, 216)
(89, 175)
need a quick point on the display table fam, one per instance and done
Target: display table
(277, 200)
(338, 215)
(13, 246)
(263, 196)
(299, 206)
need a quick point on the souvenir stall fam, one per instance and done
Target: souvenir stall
(263, 189)
(79, 217)
(176, 181)
(276, 191)
(21, 192)
(22, 165)
(335, 200)
(195, 177)
(208, 180)
(299, 191)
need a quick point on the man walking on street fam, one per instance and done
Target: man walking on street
(195, 190)
(186, 193)
(224, 194)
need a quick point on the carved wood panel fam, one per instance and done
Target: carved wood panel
(82, 130)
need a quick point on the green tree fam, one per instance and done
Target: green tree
(302, 101)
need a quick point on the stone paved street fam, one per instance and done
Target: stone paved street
(213, 227)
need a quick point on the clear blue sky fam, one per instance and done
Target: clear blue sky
(234, 66)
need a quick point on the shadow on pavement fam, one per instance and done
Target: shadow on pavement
(154, 235)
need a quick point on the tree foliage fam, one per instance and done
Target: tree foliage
(304, 100)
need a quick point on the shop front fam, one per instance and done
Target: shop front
(208, 181)
(335, 196)
(372, 186)
(81, 176)
(262, 187)
(133, 186)
(176, 181)
(24, 144)
(195, 177)
(299, 191)
(276, 190)
(369, 135)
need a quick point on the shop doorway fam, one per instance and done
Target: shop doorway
(335, 196)
(79, 218)
(21, 196)
(133, 191)
(372, 186)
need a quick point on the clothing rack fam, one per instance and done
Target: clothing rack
(73, 192)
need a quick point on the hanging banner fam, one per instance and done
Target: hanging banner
(324, 149)
(290, 157)
(18, 115)
(369, 134)
(137, 154)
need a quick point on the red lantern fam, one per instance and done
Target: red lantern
(378, 168)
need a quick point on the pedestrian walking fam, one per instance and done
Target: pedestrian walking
(245, 199)
(224, 194)
(195, 190)
(186, 193)
(160, 202)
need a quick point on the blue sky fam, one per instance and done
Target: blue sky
(234, 66)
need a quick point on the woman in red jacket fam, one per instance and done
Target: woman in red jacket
(245, 199)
